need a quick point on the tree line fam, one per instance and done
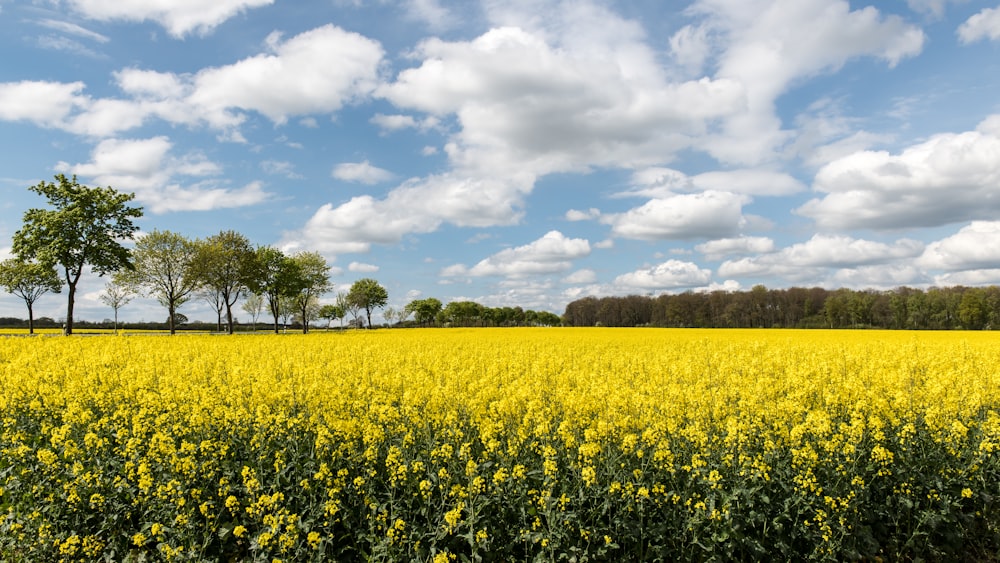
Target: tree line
(89, 227)
(937, 308)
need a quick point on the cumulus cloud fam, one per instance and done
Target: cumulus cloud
(709, 214)
(542, 103)
(147, 168)
(822, 251)
(672, 274)
(46, 104)
(983, 25)
(317, 71)
(178, 17)
(720, 248)
(361, 267)
(361, 172)
(578, 215)
(948, 178)
(583, 276)
(550, 254)
(974, 247)
(766, 45)
(658, 181)
(417, 206)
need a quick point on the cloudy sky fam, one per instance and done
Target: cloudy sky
(525, 152)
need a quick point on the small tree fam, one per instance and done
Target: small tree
(274, 276)
(84, 228)
(213, 297)
(330, 312)
(313, 279)
(389, 314)
(29, 281)
(117, 293)
(254, 305)
(224, 264)
(369, 295)
(164, 264)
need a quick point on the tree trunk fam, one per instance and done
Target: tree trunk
(31, 320)
(171, 311)
(229, 317)
(70, 300)
(368, 313)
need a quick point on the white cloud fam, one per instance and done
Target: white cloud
(767, 45)
(280, 167)
(887, 276)
(933, 8)
(361, 267)
(394, 122)
(316, 71)
(672, 274)
(822, 251)
(969, 278)
(178, 17)
(146, 167)
(709, 214)
(948, 178)
(720, 248)
(577, 215)
(417, 206)
(974, 247)
(361, 172)
(691, 47)
(983, 25)
(46, 104)
(552, 253)
(431, 12)
(73, 29)
(659, 181)
(544, 103)
(583, 276)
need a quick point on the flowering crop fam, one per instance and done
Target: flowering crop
(494, 444)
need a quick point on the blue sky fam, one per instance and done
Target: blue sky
(525, 152)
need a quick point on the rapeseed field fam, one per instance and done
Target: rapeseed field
(440, 445)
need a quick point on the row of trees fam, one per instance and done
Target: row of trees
(430, 311)
(88, 227)
(972, 308)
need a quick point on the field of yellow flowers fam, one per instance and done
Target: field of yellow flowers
(501, 445)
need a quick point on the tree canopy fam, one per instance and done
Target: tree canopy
(164, 268)
(84, 227)
(369, 295)
(29, 281)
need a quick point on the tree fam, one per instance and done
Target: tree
(369, 295)
(309, 312)
(312, 280)
(213, 297)
(117, 293)
(224, 263)
(253, 305)
(84, 228)
(29, 281)
(330, 312)
(424, 310)
(389, 314)
(274, 276)
(164, 269)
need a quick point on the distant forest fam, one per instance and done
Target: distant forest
(969, 308)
